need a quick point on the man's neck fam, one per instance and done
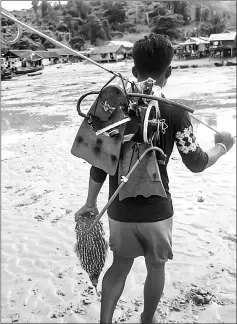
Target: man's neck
(159, 82)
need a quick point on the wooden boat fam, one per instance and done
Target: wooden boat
(174, 67)
(6, 74)
(219, 64)
(6, 77)
(184, 66)
(194, 66)
(26, 70)
(231, 63)
(34, 73)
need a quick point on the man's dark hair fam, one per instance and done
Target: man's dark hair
(153, 54)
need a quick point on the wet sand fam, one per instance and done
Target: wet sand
(43, 185)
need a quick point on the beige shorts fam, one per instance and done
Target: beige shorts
(151, 240)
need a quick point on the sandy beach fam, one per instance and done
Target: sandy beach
(43, 185)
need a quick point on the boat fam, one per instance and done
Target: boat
(231, 63)
(194, 66)
(219, 64)
(6, 74)
(26, 70)
(184, 66)
(6, 77)
(174, 67)
(34, 73)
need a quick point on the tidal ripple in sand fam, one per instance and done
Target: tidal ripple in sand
(43, 185)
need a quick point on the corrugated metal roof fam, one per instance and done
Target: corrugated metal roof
(27, 55)
(204, 38)
(33, 57)
(108, 49)
(122, 43)
(222, 37)
(47, 54)
(87, 51)
(195, 41)
(20, 53)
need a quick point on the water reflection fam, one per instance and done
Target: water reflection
(20, 120)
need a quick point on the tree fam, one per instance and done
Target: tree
(106, 28)
(93, 30)
(74, 12)
(44, 8)
(77, 42)
(115, 14)
(83, 8)
(47, 44)
(35, 6)
(198, 13)
(26, 43)
(62, 27)
(168, 25)
(205, 14)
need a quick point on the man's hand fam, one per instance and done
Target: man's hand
(226, 139)
(86, 209)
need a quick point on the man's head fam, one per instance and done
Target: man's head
(152, 56)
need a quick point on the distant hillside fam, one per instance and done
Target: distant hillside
(82, 24)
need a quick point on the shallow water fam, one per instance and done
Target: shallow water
(208, 90)
(22, 121)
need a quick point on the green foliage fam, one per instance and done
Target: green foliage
(44, 8)
(100, 20)
(77, 42)
(25, 43)
(168, 25)
(47, 44)
(198, 14)
(115, 15)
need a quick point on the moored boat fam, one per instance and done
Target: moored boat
(6, 74)
(6, 77)
(219, 64)
(184, 66)
(34, 73)
(231, 63)
(26, 70)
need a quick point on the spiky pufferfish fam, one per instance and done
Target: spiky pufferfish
(92, 247)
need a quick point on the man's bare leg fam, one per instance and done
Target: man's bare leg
(113, 285)
(153, 289)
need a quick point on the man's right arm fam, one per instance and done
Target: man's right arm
(96, 181)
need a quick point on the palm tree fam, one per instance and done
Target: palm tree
(35, 4)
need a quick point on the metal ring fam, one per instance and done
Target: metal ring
(19, 32)
(145, 124)
(80, 100)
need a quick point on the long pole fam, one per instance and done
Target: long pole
(56, 42)
(124, 181)
(9, 16)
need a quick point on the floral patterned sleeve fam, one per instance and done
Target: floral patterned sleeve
(192, 155)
